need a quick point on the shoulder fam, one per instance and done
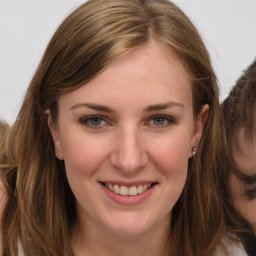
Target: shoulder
(232, 247)
(236, 249)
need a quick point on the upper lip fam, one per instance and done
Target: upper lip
(128, 184)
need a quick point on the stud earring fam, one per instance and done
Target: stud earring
(193, 150)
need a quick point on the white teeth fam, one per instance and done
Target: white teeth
(133, 191)
(116, 189)
(140, 189)
(127, 191)
(110, 186)
(124, 191)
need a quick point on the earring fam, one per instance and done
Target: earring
(193, 150)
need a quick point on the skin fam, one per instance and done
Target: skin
(245, 159)
(129, 145)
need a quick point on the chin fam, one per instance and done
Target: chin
(129, 225)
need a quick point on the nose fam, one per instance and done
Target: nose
(129, 152)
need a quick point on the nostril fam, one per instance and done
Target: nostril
(128, 153)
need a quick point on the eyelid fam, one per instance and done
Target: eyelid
(167, 117)
(171, 120)
(249, 185)
(84, 119)
(250, 193)
(245, 178)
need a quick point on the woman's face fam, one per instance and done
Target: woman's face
(125, 138)
(243, 194)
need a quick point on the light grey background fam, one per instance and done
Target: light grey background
(227, 26)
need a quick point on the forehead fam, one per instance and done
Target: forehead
(242, 140)
(150, 74)
(244, 151)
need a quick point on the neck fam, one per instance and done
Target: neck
(93, 240)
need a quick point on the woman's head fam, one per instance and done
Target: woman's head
(239, 107)
(239, 110)
(131, 126)
(100, 32)
(91, 40)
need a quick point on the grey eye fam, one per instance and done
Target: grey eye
(159, 120)
(95, 121)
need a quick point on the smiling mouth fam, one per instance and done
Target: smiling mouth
(128, 191)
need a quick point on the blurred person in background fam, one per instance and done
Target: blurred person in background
(239, 116)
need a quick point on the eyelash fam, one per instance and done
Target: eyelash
(248, 180)
(250, 193)
(167, 121)
(87, 119)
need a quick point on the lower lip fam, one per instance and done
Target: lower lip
(129, 200)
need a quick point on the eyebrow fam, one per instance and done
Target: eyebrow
(163, 106)
(94, 107)
(248, 179)
(106, 109)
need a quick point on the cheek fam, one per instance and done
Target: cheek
(171, 160)
(84, 154)
(240, 202)
(236, 188)
(172, 154)
(247, 209)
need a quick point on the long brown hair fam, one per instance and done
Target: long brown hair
(41, 207)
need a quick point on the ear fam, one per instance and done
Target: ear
(55, 136)
(199, 128)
